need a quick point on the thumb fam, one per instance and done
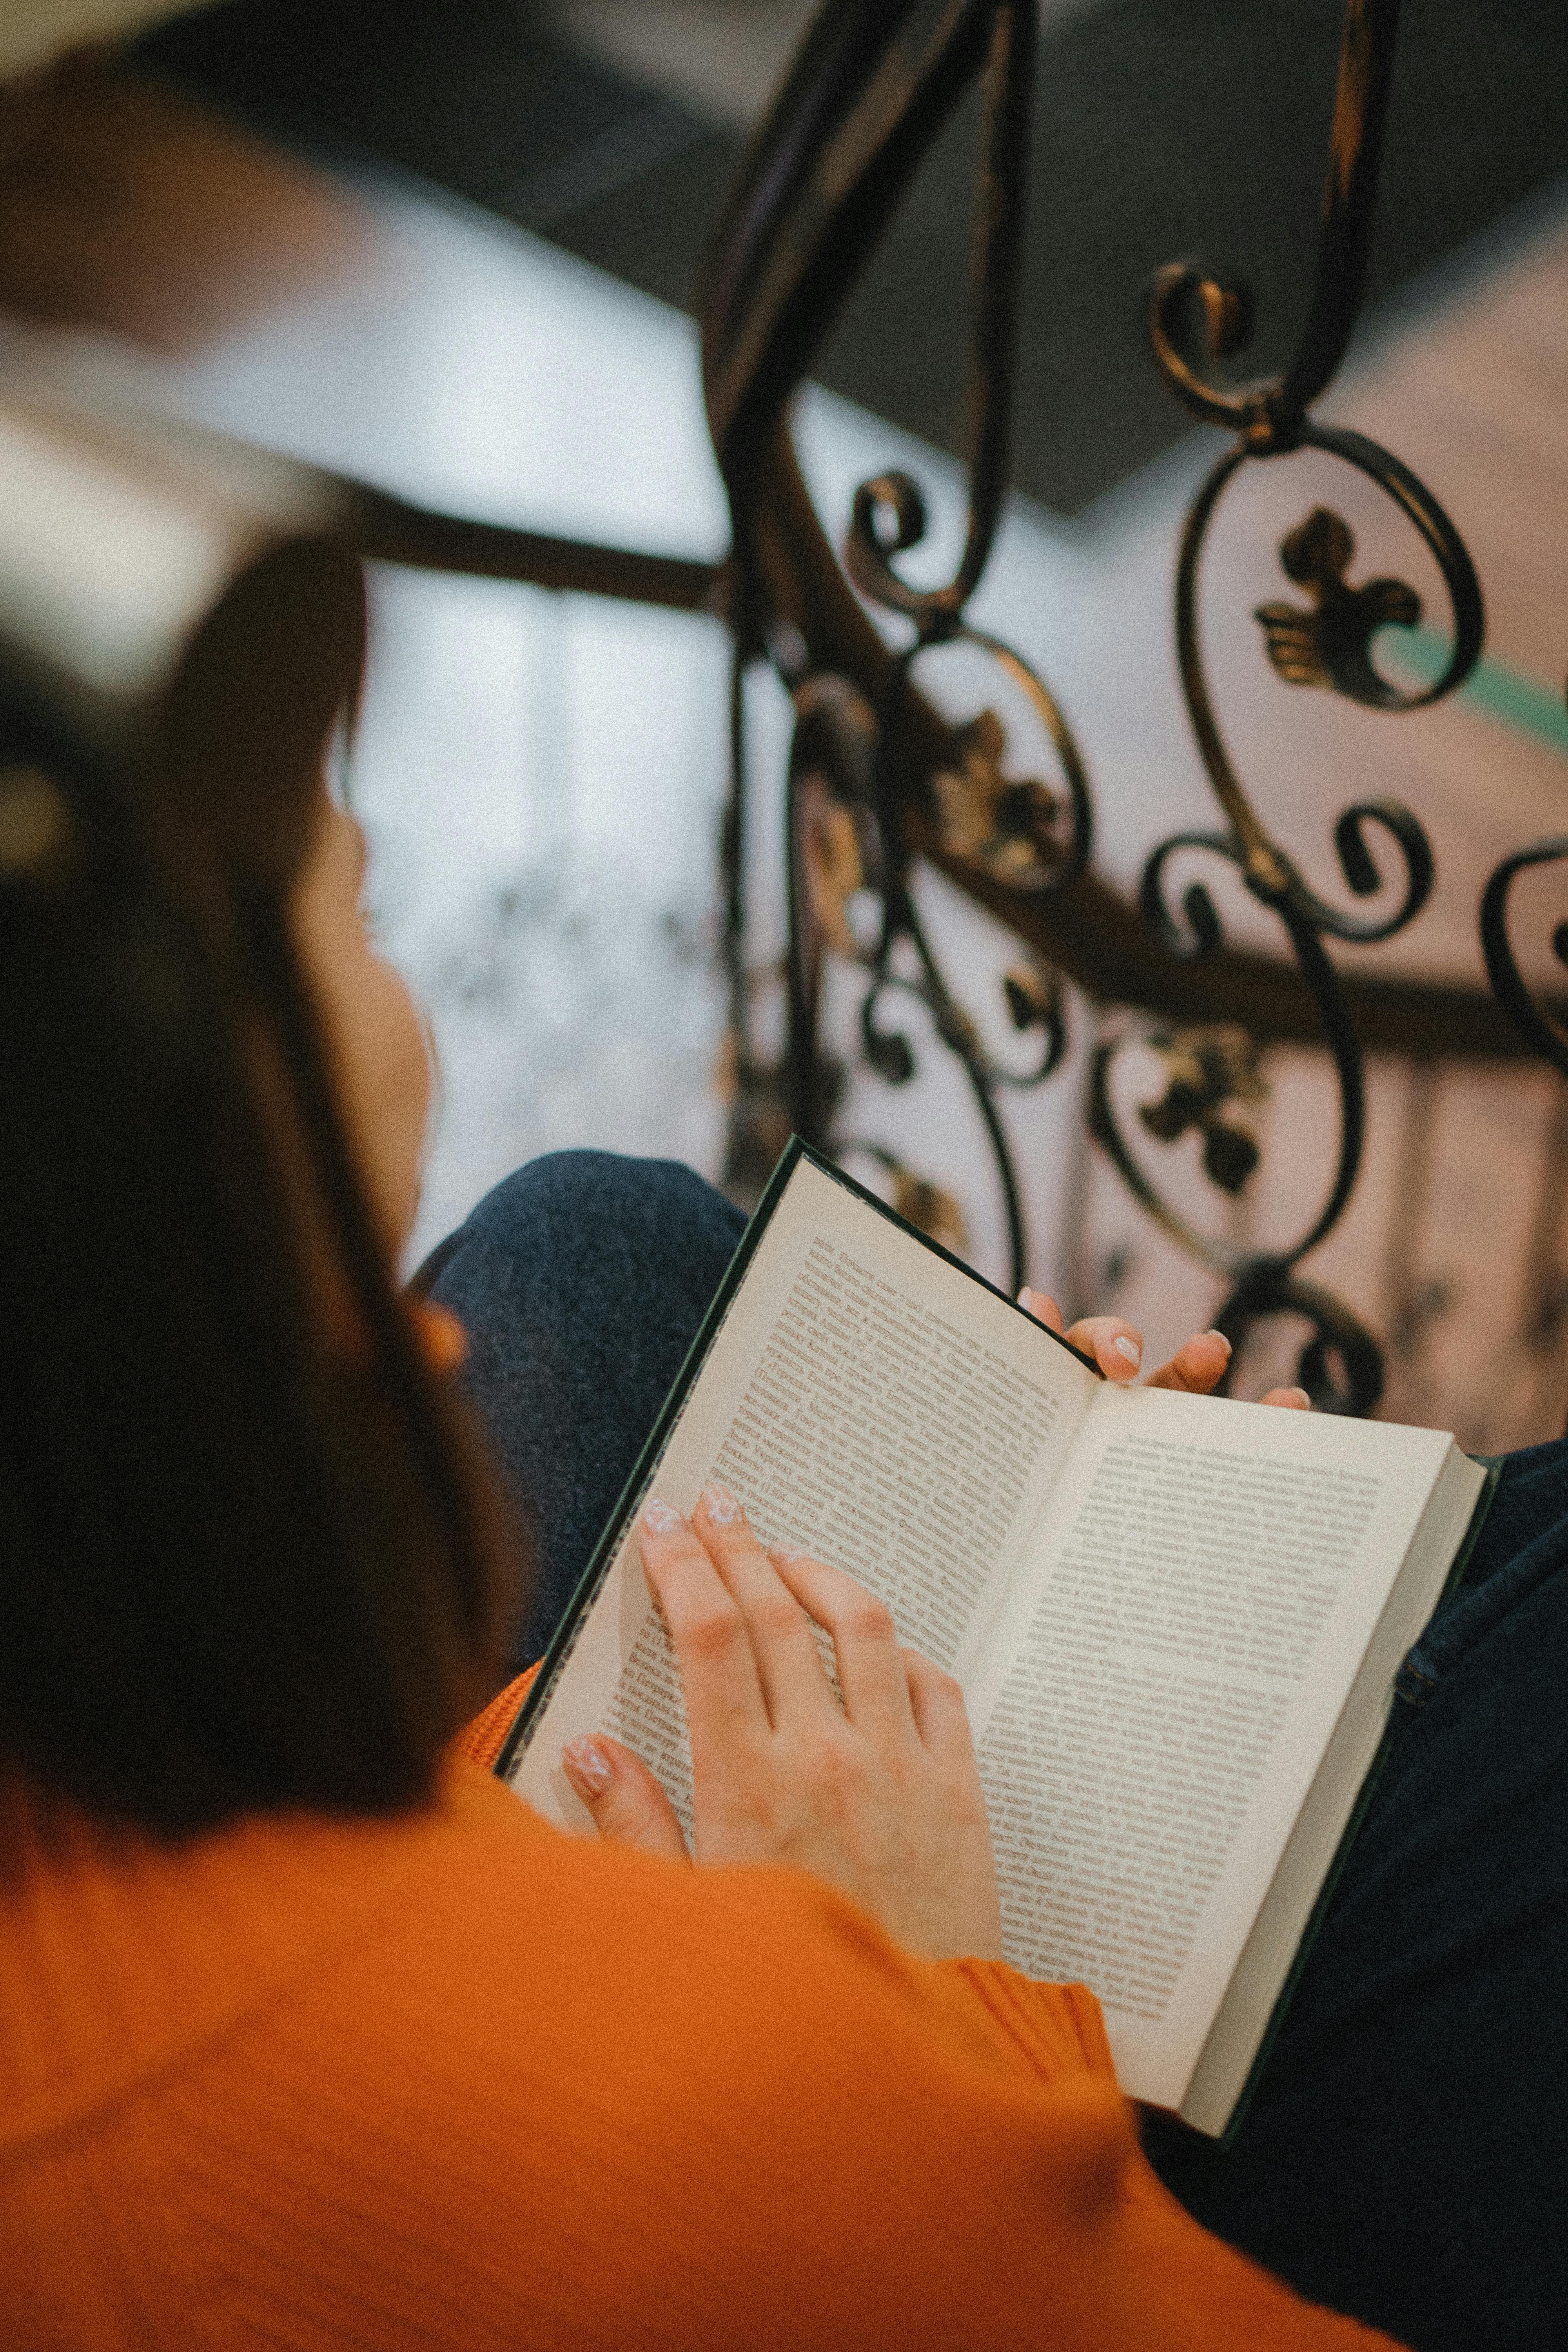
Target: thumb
(624, 1800)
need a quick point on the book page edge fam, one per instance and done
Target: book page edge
(1221, 2079)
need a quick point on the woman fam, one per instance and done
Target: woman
(311, 2033)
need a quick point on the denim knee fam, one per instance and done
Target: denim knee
(573, 1210)
(582, 1281)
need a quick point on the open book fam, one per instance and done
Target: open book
(1176, 1620)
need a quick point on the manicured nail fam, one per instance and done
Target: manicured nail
(721, 1505)
(1027, 1300)
(659, 1518)
(784, 1555)
(587, 1767)
(1128, 1348)
(1224, 1342)
(1306, 1400)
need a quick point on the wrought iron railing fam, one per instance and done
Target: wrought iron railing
(875, 780)
(879, 779)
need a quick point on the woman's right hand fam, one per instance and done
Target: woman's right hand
(1117, 1346)
(879, 1795)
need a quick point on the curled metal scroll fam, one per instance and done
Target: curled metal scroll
(998, 247)
(1198, 317)
(1270, 417)
(883, 88)
(1539, 1026)
(1262, 1282)
(843, 842)
(1545, 1032)
(1328, 643)
(1011, 827)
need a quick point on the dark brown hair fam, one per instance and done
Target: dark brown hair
(249, 1554)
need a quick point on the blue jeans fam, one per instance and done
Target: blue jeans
(1405, 2156)
(580, 1281)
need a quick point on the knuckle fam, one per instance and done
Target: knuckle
(710, 1632)
(869, 1619)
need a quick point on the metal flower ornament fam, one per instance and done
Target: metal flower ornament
(1329, 642)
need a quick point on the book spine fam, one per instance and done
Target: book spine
(646, 1468)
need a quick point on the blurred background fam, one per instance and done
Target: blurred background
(453, 251)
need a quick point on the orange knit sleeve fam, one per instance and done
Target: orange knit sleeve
(771, 2125)
(480, 1742)
(460, 2081)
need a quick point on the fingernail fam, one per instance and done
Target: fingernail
(1128, 1348)
(660, 1518)
(1306, 1400)
(785, 1555)
(587, 1767)
(721, 1505)
(1224, 1342)
(1027, 1300)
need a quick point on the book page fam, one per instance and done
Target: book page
(1270, 1950)
(1210, 1576)
(868, 1403)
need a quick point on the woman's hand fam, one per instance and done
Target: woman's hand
(879, 1795)
(1118, 1349)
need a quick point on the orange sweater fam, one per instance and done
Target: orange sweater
(458, 2082)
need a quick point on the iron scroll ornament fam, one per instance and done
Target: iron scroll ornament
(1536, 1026)
(892, 87)
(1020, 829)
(1014, 827)
(1327, 642)
(870, 92)
(844, 837)
(1546, 1034)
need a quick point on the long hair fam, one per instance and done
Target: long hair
(249, 1556)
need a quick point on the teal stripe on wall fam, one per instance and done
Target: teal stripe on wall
(1519, 703)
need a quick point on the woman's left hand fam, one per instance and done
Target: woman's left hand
(873, 1789)
(1118, 1349)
